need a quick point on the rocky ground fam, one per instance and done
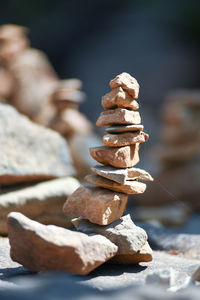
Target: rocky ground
(167, 276)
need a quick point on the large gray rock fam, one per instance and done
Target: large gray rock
(124, 233)
(47, 247)
(28, 151)
(42, 202)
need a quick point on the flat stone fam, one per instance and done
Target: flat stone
(128, 237)
(129, 187)
(124, 128)
(98, 205)
(66, 95)
(143, 255)
(124, 139)
(127, 82)
(30, 152)
(196, 275)
(119, 98)
(119, 157)
(122, 175)
(50, 248)
(42, 202)
(118, 116)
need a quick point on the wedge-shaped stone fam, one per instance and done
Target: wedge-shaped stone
(119, 98)
(98, 205)
(122, 175)
(129, 187)
(124, 233)
(118, 116)
(119, 157)
(143, 255)
(50, 248)
(124, 139)
(127, 82)
(124, 128)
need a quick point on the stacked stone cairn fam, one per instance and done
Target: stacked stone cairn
(98, 206)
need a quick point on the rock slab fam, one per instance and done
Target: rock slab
(50, 248)
(30, 152)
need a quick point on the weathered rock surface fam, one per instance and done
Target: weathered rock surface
(47, 247)
(124, 139)
(129, 187)
(25, 148)
(127, 82)
(119, 157)
(122, 175)
(196, 275)
(42, 202)
(99, 206)
(124, 128)
(124, 233)
(119, 98)
(143, 255)
(118, 116)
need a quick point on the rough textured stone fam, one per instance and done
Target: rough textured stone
(124, 128)
(124, 233)
(42, 202)
(118, 116)
(98, 205)
(119, 157)
(124, 139)
(127, 82)
(119, 98)
(30, 152)
(129, 187)
(122, 175)
(47, 247)
(143, 255)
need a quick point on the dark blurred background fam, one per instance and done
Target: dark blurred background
(158, 42)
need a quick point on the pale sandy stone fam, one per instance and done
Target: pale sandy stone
(98, 205)
(129, 187)
(119, 98)
(124, 139)
(143, 255)
(124, 128)
(127, 82)
(122, 175)
(119, 157)
(50, 248)
(118, 116)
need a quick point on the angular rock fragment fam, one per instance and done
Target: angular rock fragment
(127, 82)
(119, 98)
(122, 175)
(129, 187)
(124, 233)
(124, 139)
(118, 116)
(119, 157)
(124, 128)
(143, 255)
(50, 248)
(30, 152)
(42, 202)
(99, 206)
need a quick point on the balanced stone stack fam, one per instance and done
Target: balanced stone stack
(103, 201)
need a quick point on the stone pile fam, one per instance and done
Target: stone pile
(103, 200)
(72, 124)
(102, 232)
(177, 156)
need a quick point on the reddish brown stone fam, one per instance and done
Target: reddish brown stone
(98, 205)
(119, 157)
(127, 82)
(124, 139)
